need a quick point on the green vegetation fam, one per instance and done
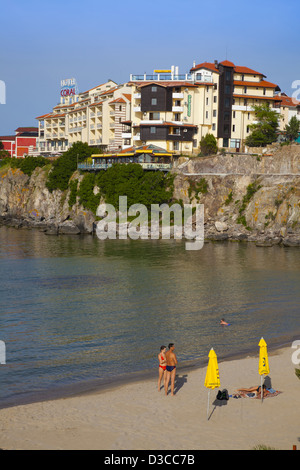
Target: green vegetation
(73, 192)
(140, 187)
(251, 190)
(263, 447)
(208, 145)
(27, 165)
(66, 165)
(198, 187)
(229, 199)
(297, 372)
(264, 132)
(292, 129)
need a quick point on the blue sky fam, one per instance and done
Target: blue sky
(44, 42)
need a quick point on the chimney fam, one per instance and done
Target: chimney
(194, 64)
(216, 64)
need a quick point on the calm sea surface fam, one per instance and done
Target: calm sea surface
(77, 312)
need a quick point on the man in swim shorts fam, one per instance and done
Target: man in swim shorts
(171, 368)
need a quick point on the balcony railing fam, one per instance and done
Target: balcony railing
(162, 77)
(105, 166)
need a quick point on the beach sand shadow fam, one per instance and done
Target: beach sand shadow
(216, 403)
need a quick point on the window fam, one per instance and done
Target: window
(227, 102)
(233, 128)
(206, 101)
(154, 116)
(154, 88)
(215, 99)
(248, 129)
(233, 114)
(194, 143)
(206, 114)
(264, 91)
(154, 101)
(152, 130)
(175, 145)
(226, 116)
(214, 113)
(177, 117)
(227, 89)
(245, 89)
(213, 127)
(228, 76)
(225, 142)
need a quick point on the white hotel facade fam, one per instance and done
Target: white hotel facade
(167, 109)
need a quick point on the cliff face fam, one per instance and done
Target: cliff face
(26, 202)
(245, 197)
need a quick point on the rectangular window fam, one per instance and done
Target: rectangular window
(245, 89)
(215, 99)
(228, 76)
(206, 101)
(154, 88)
(214, 113)
(213, 127)
(152, 130)
(227, 102)
(233, 114)
(154, 101)
(227, 89)
(233, 128)
(225, 142)
(194, 143)
(154, 116)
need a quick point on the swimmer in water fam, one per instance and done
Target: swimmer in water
(223, 322)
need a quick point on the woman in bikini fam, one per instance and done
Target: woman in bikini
(162, 366)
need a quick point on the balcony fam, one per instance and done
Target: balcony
(177, 96)
(126, 135)
(137, 96)
(177, 109)
(137, 137)
(105, 166)
(137, 109)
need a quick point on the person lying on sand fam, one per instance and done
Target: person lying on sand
(251, 392)
(223, 322)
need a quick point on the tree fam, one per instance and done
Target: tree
(64, 166)
(208, 145)
(264, 131)
(292, 128)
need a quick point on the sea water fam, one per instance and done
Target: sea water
(77, 312)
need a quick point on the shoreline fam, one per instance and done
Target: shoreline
(89, 387)
(136, 416)
(236, 233)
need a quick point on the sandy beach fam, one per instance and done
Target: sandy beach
(136, 416)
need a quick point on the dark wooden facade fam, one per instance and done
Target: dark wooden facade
(167, 132)
(225, 102)
(155, 97)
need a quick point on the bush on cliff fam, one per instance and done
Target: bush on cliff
(66, 165)
(140, 187)
(27, 165)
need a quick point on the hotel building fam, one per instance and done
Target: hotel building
(175, 111)
(166, 109)
(94, 116)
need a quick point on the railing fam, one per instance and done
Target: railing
(162, 77)
(105, 166)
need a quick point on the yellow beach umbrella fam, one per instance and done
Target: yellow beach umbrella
(212, 378)
(263, 365)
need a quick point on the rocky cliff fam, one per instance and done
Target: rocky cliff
(26, 202)
(245, 197)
